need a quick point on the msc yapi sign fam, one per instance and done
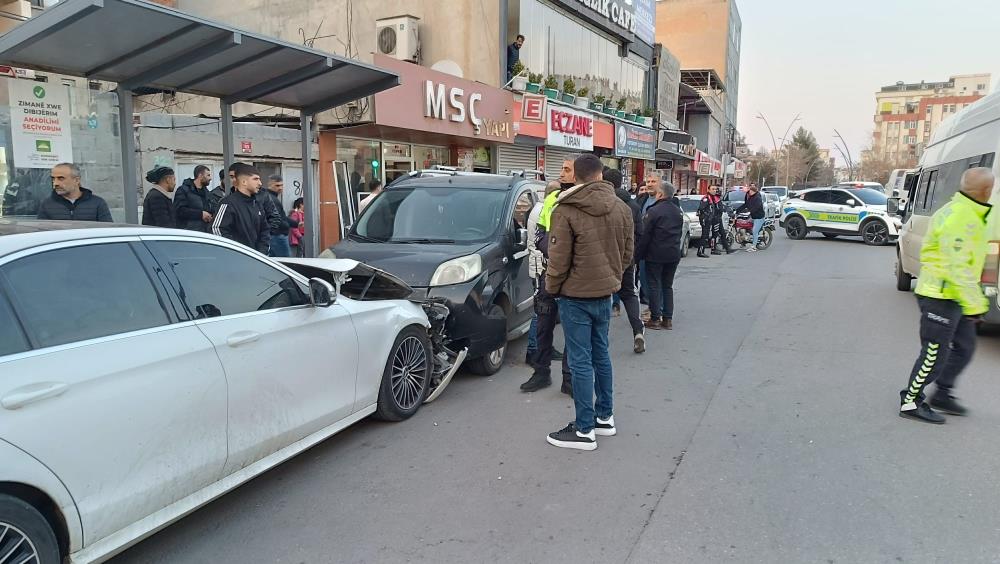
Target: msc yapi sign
(570, 129)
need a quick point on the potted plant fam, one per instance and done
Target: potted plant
(620, 109)
(633, 116)
(647, 117)
(569, 91)
(598, 104)
(582, 100)
(609, 106)
(534, 83)
(552, 88)
(520, 79)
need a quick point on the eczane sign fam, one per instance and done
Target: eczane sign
(570, 129)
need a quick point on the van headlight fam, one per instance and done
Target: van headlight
(457, 271)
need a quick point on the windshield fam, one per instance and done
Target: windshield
(870, 196)
(736, 196)
(432, 215)
(690, 205)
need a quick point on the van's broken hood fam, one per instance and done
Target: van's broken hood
(351, 278)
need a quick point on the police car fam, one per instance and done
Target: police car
(852, 212)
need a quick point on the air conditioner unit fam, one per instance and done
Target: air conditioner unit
(399, 37)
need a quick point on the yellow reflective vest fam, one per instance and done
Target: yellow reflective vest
(953, 254)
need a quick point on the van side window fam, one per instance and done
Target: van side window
(987, 160)
(932, 180)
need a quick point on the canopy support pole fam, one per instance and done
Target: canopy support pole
(309, 192)
(228, 156)
(129, 168)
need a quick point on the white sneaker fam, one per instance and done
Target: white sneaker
(606, 427)
(752, 250)
(569, 437)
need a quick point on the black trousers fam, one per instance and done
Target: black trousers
(629, 295)
(548, 313)
(947, 342)
(661, 289)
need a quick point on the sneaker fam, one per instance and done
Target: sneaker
(752, 250)
(571, 438)
(921, 412)
(536, 382)
(654, 324)
(730, 251)
(606, 427)
(668, 324)
(639, 344)
(948, 404)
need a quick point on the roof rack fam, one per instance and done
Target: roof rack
(524, 173)
(436, 170)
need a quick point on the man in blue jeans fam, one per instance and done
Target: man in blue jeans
(591, 241)
(755, 205)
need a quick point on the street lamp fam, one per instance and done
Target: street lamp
(773, 142)
(850, 161)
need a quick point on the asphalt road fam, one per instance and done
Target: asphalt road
(762, 429)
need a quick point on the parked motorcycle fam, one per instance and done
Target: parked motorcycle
(741, 231)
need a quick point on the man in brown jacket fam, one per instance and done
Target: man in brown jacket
(591, 241)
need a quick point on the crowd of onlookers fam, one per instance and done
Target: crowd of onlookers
(244, 213)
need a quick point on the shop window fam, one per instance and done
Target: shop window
(360, 156)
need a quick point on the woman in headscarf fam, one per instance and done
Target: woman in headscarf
(158, 207)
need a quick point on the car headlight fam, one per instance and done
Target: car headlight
(457, 271)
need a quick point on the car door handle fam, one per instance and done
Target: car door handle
(242, 338)
(25, 395)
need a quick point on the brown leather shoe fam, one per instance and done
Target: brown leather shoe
(655, 325)
(668, 324)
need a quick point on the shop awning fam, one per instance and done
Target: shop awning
(139, 44)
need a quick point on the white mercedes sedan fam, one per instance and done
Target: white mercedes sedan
(145, 372)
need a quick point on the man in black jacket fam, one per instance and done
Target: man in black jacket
(217, 194)
(629, 293)
(240, 217)
(192, 202)
(755, 205)
(70, 200)
(660, 247)
(277, 219)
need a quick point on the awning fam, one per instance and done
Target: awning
(140, 44)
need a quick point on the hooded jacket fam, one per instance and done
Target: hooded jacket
(189, 202)
(663, 227)
(280, 223)
(591, 241)
(87, 208)
(243, 220)
(635, 208)
(953, 255)
(158, 209)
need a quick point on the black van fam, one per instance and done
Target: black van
(461, 237)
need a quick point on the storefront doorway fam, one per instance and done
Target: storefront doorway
(397, 159)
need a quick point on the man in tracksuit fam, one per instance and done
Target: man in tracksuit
(279, 221)
(545, 303)
(950, 298)
(240, 217)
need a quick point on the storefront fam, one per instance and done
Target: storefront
(430, 119)
(708, 171)
(675, 155)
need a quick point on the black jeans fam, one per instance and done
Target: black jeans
(629, 295)
(661, 289)
(947, 342)
(548, 313)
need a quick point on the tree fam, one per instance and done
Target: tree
(763, 169)
(805, 150)
(876, 168)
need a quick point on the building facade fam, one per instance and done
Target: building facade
(906, 114)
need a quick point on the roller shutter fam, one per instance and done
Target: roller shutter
(515, 157)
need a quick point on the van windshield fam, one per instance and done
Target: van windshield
(432, 215)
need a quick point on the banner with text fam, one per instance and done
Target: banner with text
(570, 128)
(635, 142)
(40, 124)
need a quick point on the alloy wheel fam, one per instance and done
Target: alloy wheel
(409, 370)
(15, 546)
(876, 233)
(496, 357)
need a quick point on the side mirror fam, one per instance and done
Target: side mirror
(852, 203)
(321, 293)
(892, 206)
(521, 240)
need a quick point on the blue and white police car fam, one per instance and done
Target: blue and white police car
(851, 212)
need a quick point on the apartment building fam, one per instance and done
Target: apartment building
(907, 114)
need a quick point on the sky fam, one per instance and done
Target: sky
(826, 59)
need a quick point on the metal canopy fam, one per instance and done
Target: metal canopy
(702, 79)
(140, 44)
